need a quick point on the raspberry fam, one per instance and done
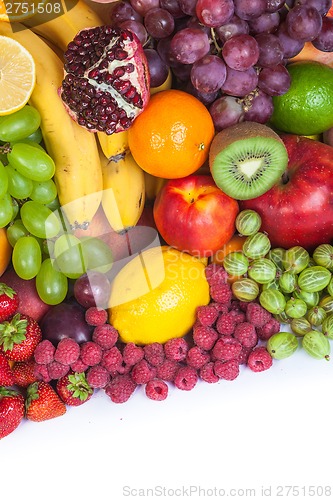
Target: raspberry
(226, 324)
(259, 359)
(176, 349)
(122, 369)
(207, 373)
(41, 372)
(227, 370)
(98, 377)
(167, 370)
(207, 315)
(243, 305)
(112, 359)
(197, 357)
(120, 389)
(91, 353)
(226, 348)
(142, 372)
(156, 389)
(246, 334)
(265, 332)
(238, 315)
(244, 354)
(257, 315)
(78, 366)
(95, 316)
(105, 335)
(132, 354)
(57, 370)
(154, 353)
(44, 352)
(186, 378)
(221, 308)
(221, 293)
(67, 352)
(216, 274)
(204, 336)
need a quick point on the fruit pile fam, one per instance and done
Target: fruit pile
(165, 217)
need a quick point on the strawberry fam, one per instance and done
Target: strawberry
(11, 411)
(74, 389)
(23, 373)
(6, 374)
(43, 403)
(19, 337)
(9, 302)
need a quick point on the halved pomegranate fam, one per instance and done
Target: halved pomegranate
(106, 84)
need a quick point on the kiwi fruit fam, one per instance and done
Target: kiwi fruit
(247, 159)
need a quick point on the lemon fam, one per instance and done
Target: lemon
(154, 297)
(307, 107)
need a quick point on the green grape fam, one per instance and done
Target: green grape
(262, 270)
(310, 298)
(256, 246)
(35, 164)
(326, 303)
(316, 315)
(6, 210)
(15, 231)
(3, 158)
(327, 326)
(235, 263)
(295, 259)
(51, 285)
(282, 345)
(48, 248)
(317, 345)
(27, 257)
(30, 143)
(295, 308)
(323, 256)
(272, 285)
(20, 124)
(36, 136)
(3, 180)
(245, 289)
(68, 254)
(248, 222)
(314, 279)
(300, 326)
(287, 282)
(276, 255)
(44, 192)
(272, 300)
(97, 254)
(54, 205)
(16, 209)
(39, 220)
(19, 186)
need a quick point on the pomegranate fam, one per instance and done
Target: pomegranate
(106, 83)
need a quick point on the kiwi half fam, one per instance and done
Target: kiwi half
(247, 159)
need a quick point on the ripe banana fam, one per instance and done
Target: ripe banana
(114, 144)
(153, 185)
(74, 150)
(123, 191)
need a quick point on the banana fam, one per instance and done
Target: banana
(153, 185)
(123, 191)
(114, 144)
(74, 150)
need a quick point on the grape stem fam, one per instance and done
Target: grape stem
(5, 148)
(215, 42)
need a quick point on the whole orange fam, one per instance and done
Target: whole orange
(171, 137)
(5, 251)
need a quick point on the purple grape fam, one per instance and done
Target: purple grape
(249, 9)
(163, 49)
(240, 52)
(137, 28)
(158, 70)
(182, 72)
(189, 45)
(324, 40)
(159, 23)
(193, 22)
(173, 7)
(235, 26)
(92, 289)
(303, 23)
(270, 50)
(240, 83)
(214, 13)
(323, 6)
(123, 11)
(291, 47)
(208, 74)
(142, 6)
(274, 5)
(188, 6)
(259, 109)
(266, 23)
(226, 111)
(206, 98)
(274, 81)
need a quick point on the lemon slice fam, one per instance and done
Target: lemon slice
(17, 75)
(18, 11)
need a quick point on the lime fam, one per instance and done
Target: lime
(307, 107)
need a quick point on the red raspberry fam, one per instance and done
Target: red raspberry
(44, 352)
(259, 359)
(142, 372)
(244, 354)
(227, 370)
(79, 366)
(176, 349)
(154, 353)
(120, 389)
(95, 316)
(112, 359)
(186, 378)
(91, 353)
(225, 325)
(243, 305)
(257, 315)
(132, 354)
(167, 370)
(197, 357)
(221, 308)
(57, 370)
(221, 293)
(98, 377)
(265, 332)
(204, 336)
(122, 369)
(41, 373)
(246, 334)
(105, 335)
(216, 274)
(67, 352)
(156, 389)
(207, 373)
(207, 315)
(226, 348)
(238, 315)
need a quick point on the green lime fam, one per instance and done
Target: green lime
(307, 107)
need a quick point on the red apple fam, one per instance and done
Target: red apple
(192, 214)
(298, 210)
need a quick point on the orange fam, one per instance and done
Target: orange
(235, 244)
(5, 251)
(171, 137)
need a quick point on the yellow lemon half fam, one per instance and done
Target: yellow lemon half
(155, 296)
